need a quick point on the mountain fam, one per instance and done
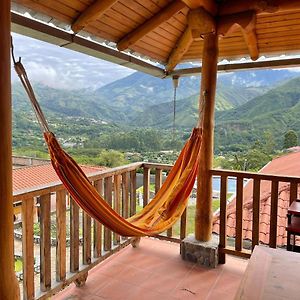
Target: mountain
(138, 94)
(276, 111)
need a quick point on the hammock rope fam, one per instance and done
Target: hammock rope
(159, 215)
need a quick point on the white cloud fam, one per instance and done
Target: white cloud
(63, 68)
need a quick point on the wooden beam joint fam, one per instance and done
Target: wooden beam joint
(246, 22)
(200, 23)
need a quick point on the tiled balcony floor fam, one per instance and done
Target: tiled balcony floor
(155, 271)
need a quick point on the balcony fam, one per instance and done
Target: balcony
(73, 249)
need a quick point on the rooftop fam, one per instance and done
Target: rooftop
(34, 177)
(155, 270)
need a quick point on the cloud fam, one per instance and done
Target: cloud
(63, 68)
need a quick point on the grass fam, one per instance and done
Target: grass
(18, 265)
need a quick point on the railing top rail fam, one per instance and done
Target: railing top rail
(157, 166)
(52, 187)
(253, 175)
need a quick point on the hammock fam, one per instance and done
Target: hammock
(159, 215)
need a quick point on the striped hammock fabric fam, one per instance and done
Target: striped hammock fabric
(159, 215)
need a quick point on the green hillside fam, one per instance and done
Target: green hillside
(161, 115)
(277, 111)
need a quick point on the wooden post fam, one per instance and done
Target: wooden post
(9, 288)
(203, 217)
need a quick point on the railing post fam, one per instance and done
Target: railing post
(223, 220)
(239, 215)
(27, 249)
(132, 192)
(117, 199)
(146, 186)
(61, 235)
(108, 198)
(45, 242)
(9, 287)
(256, 212)
(74, 236)
(98, 226)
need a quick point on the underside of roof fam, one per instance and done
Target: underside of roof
(171, 32)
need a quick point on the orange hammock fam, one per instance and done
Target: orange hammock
(160, 214)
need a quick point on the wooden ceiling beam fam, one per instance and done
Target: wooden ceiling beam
(162, 16)
(200, 23)
(268, 6)
(182, 46)
(208, 5)
(246, 21)
(92, 13)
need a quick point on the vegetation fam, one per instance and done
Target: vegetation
(290, 139)
(18, 265)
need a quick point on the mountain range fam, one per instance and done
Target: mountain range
(247, 103)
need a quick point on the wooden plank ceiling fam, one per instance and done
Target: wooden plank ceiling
(170, 32)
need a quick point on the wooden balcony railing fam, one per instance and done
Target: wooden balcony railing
(274, 181)
(70, 243)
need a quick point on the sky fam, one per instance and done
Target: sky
(63, 68)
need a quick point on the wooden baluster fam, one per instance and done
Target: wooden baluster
(87, 239)
(61, 235)
(256, 213)
(223, 219)
(74, 236)
(108, 198)
(97, 225)
(274, 213)
(27, 249)
(125, 198)
(239, 215)
(117, 200)
(183, 225)
(132, 192)
(45, 242)
(293, 191)
(158, 179)
(146, 189)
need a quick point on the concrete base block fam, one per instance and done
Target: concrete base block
(202, 253)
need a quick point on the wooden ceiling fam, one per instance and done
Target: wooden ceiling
(170, 32)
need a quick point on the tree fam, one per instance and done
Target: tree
(290, 139)
(111, 158)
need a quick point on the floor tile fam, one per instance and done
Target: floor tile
(155, 271)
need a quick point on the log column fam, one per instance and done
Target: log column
(203, 217)
(9, 288)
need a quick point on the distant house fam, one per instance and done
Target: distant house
(31, 178)
(288, 165)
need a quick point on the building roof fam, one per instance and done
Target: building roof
(288, 165)
(169, 30)
(32, 177)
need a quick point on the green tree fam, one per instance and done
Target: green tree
(111, 158)
(290, 139)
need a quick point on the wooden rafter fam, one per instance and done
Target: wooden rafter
(208, 5)
(233, 6)
(200, 23)
(246, 21)
(180, 49)
(93, 12)
(162, 16)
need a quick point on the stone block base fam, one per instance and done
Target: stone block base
(202, 253)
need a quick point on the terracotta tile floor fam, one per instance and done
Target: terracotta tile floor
(155, 271)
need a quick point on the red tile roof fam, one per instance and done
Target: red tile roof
(288, 165)
(39, 176)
